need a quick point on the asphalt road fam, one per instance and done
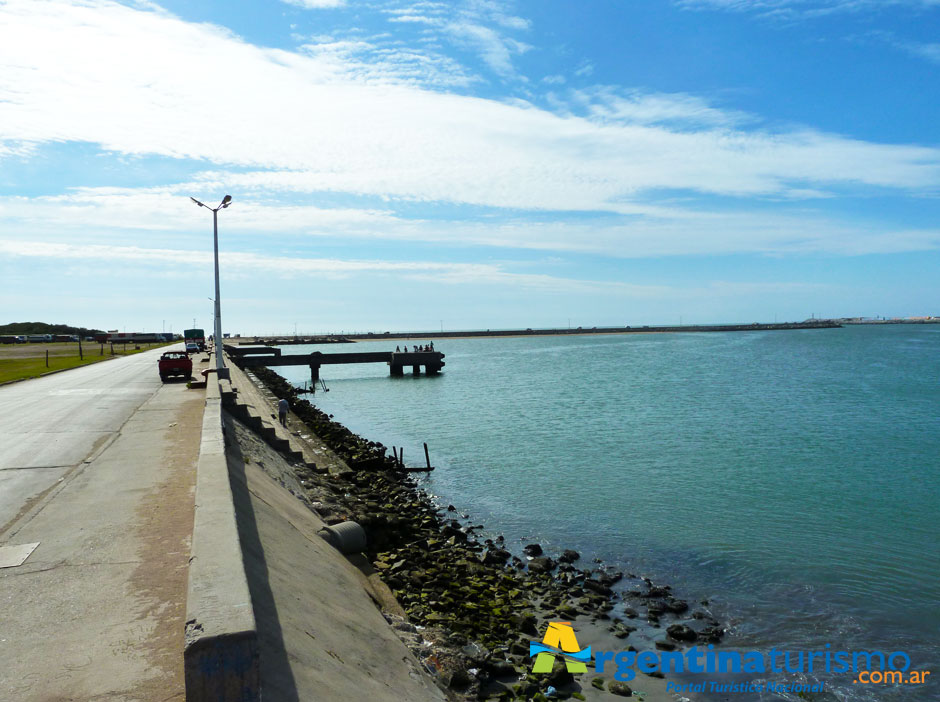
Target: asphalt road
(50, 425)
(97, 476)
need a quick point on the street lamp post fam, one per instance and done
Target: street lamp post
(220, 369)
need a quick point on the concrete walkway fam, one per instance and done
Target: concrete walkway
(97, 611)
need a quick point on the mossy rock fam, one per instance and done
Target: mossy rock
(619, 688)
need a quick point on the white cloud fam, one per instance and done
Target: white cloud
(585, 69)
(238, 264)
(287, 122)
(609, 104)
(166, 215)
(495, 50)
(415, 19)
(478, 26)
(241, 265)
(373, 60)
(315, 4)
(169, 209)
(931, 52)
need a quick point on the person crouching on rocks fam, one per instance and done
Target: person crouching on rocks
(282, 407)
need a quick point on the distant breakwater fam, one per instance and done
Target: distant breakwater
(351, 337)
(817, 324)
(292, 340)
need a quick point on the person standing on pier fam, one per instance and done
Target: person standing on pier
(282, 407)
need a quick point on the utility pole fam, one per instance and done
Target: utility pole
(220, 369)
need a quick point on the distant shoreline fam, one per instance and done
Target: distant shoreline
(497, 333)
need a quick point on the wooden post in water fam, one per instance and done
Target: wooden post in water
(427, 456)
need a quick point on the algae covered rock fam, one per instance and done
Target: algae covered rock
(598, 587)
(680, 632)
(618, 688)
(542, 564)
(496, 556)
(560, 677)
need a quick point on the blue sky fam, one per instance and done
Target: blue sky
(402, 165)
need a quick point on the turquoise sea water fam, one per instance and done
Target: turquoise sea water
(790, 477)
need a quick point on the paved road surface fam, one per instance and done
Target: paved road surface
(97, 466)
(51, 424)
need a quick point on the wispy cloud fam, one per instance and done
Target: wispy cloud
(613, 105)
(481, 27)
(649, 232)
(161, 262)
(495, 50)
(252, 263)
(315, 4)
(791, 9)
(375, 60)
(931, 52)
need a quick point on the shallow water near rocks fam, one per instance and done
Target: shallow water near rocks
(789, 477)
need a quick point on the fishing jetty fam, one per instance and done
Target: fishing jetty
(397, 361)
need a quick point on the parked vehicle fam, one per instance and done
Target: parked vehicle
(174, 363)
(195, 336)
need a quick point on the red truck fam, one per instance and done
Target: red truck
(175, 363)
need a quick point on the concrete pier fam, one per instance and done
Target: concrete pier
(431, 361)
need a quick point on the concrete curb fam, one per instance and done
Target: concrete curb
(220, 656)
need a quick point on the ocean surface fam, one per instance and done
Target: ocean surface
(791, 478)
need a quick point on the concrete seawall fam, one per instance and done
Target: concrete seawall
(221, 656)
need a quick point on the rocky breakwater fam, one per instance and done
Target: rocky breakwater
(472, 605)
